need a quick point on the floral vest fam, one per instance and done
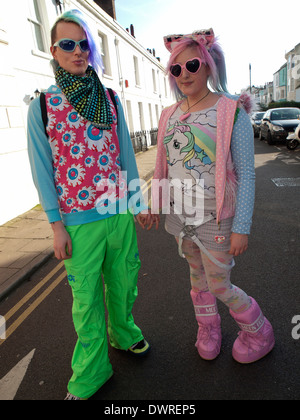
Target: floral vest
(86, 159)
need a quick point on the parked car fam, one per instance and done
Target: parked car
(255, 121)
(277, 123)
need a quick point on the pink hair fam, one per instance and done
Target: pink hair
(213, 58)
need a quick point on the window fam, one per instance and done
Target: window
(293, 61)
(136, 71)
(150, 114)
(130, 118)
(104, 51)
(141, 116)
(166, 89)
(36, 24)
(154, 81)
(292, 84)
(157, 114)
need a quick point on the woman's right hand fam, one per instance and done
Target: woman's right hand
(62, 242)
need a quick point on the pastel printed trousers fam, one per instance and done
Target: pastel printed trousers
(206, 276)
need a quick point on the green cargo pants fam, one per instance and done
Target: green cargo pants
(107, 247)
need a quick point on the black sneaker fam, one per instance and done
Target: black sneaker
(140, 348)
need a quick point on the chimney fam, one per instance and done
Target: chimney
(132, 30)
(108, 6)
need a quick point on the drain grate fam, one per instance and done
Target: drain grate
(286, 182)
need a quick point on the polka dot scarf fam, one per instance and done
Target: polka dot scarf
(87, 96)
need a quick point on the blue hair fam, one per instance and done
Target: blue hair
(75, 16)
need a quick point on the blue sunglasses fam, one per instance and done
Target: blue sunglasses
(69, 45)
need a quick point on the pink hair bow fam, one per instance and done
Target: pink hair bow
(205, 37)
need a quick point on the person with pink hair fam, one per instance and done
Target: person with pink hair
(207, 137)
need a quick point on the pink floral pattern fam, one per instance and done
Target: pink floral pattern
(86, 159)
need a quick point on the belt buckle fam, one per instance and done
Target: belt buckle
(189, 230)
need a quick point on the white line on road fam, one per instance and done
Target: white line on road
(10, 384)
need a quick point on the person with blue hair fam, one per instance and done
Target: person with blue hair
(82, 163)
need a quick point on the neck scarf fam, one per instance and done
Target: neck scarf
(87, 95)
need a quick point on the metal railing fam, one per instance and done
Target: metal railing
(142, 139)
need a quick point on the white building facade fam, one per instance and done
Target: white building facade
(293, 73)
(130, 69)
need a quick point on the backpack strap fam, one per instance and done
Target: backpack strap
(112, 97)
(44, 111)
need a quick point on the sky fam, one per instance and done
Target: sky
(256, 32)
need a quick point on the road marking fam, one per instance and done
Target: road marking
(145, 188)
(43, 296)
(11, 382)
(32, 307)
(286, 182)
(33, 292)
(146, 185)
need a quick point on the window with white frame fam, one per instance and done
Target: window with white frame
(157, 114)
(150, 115)
(36, 25)
(166, 89)
(154, 81)
(292, 84)
(130, 117)
(141, 115)
(293, 61)
(136, 71)
(104, 51)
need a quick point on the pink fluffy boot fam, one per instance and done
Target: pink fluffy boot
(256, 338)
(209, 333)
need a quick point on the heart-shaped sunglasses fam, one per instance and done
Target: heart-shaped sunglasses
(192, 66)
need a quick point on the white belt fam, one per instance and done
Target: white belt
(190, 231)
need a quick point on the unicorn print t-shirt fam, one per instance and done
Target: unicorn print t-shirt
(191, 155)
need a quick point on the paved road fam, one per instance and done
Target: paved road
(269, 271)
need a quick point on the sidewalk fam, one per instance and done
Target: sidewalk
(26, 241)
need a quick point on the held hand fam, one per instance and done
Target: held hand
(142, 219)
(239, 244)
(147, 219)
(62, 242)
(153, 219)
